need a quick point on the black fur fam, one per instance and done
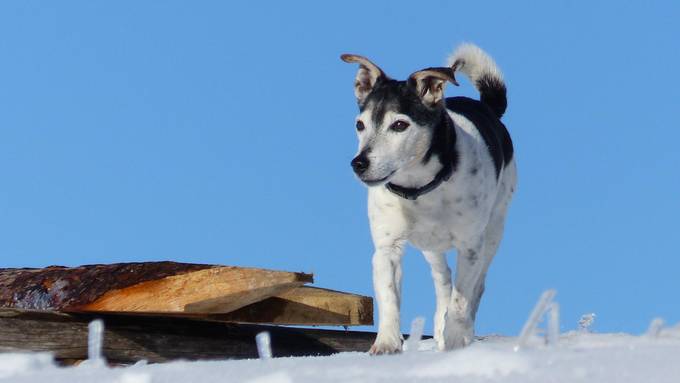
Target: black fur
(489, 125)
(493, 93)
(402, 96)
(485, 115)
(399, 95)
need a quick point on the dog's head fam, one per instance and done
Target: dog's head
(396, 119)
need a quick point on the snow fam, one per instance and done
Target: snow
(578, 356)
(14, 364)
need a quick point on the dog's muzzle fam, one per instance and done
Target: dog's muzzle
(360, 164)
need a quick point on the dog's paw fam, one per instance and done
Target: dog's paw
(458, 341)
(383, 349)
(386, 345)
(458, 334)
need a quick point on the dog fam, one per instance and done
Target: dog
(440, 174)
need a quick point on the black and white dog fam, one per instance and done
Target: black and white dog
(441, 174)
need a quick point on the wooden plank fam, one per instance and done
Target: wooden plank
(214, 290)
(150, 287)
(306, 306)
(129, 338)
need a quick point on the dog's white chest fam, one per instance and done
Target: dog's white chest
(437, 221)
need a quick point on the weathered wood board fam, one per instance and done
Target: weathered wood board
(149, 287)
(161, 311)
(306, 306)
(130, 338)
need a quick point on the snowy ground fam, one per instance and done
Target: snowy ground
(578, 357)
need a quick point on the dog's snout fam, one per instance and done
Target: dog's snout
(360, 163)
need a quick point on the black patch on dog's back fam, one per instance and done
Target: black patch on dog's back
(490, 127)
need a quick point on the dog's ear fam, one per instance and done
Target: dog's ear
(367, 76)
(429, 84)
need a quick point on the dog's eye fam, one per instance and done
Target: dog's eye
(399, 126)
(360, 126)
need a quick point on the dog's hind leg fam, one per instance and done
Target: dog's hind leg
(441, 274)
(472, 265)
(493, 234)
(492, 239)
(459, 323)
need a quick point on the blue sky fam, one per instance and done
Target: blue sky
(221, 132)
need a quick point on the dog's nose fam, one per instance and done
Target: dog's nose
(360, 163)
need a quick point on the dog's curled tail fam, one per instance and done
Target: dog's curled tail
(482, 71)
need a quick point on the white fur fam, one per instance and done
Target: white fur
(474, 62)
(390, 151)
(467, 213)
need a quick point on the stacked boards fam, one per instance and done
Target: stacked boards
(219, 293)
(163, 311)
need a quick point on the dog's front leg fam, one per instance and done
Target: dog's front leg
(387, 285)
(388, 229)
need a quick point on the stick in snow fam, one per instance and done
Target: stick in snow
(554, 324)
(413, 340)
(264, 345)
(655, 327)
(534, 318)
(95, 338)
(586, 322)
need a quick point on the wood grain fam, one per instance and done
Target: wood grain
(213, 290)
(306, 306)
(63, 288)
(149, 287)
(128, 338)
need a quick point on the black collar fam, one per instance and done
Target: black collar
(413, 193)
(448, 160)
